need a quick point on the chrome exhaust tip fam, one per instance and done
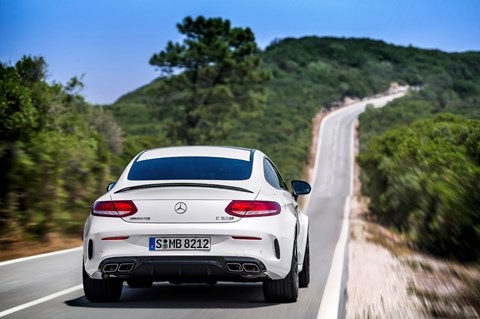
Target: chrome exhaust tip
(250, 267)
(125, 267)
(234, 267)
(108, 268)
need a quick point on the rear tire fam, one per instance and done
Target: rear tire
(286, 289)
(139, 283)
(304, 276)
(101, 290)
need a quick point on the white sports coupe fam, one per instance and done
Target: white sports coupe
(197, 214)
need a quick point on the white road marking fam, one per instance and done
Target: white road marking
(331, 295)
(39, 301)
(8, 262)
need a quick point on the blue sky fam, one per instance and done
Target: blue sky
(112, 41)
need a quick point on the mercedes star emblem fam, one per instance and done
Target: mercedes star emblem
(180, 207)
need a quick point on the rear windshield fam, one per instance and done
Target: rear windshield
(206, 168)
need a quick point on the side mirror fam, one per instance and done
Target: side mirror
(110, 186)
(300, 188)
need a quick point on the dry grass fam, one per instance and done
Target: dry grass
(13, 247)
(449, 290)
(384, 237)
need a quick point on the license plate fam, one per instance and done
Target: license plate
(179, 243)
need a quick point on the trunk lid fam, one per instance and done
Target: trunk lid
(182, 202)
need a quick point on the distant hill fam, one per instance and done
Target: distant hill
(308, 73)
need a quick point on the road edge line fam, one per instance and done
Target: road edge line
(40, 300)
(53, 253)
(331, 295)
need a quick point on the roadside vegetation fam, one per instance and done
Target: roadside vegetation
(56, 152)
(401, 280)
(420, 160)
(214, 87)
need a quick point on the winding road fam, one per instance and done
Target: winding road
(49, 286)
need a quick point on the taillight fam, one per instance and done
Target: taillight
(115, 238)
(246, 238)
(117, 208)
(247, 208)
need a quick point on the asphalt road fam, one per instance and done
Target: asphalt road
(28, 281)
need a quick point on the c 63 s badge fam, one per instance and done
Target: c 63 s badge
(225, 218)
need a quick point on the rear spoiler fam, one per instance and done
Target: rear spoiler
(202, 185)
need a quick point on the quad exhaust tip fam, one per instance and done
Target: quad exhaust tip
(245, 267)
(110, 268)
(125, 267)
(234, 267)
(249, 267)
(114, 267)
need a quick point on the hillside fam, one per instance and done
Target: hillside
(307, 74)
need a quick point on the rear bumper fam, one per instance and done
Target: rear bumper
(183, 268)
(272, 253)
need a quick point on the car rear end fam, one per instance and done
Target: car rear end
(178, 215)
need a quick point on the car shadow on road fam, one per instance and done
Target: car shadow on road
(163, 295)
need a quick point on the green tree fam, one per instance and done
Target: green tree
(217, 79)
(56, 152)
(17, 112)
(18, 118)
